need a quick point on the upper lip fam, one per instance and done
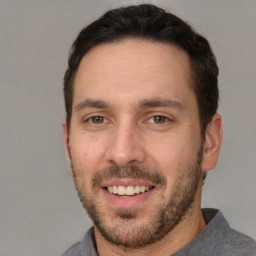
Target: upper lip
(126, 182)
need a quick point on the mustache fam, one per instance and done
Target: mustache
(131, 172)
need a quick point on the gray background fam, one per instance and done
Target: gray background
(40, 213)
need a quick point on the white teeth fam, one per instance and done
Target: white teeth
(121, 190)
(137, 189)
(142, 189)
(110, 189)
(129, 191)
(115, 191)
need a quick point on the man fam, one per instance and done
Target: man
(141, 131)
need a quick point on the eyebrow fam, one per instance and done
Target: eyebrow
(146, 103)
(160, 102)
(90, 103)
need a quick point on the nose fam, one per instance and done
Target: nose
(125, 146)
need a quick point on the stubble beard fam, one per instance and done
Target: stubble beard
(129, 233)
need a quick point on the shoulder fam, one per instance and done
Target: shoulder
(86, 247)
(239, 244)
(74, 250)
(220, 239)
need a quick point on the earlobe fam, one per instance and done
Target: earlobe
(212, 143)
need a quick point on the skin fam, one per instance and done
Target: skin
(123, 75)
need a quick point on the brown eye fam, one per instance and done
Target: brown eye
(159, 119)
(97, 119)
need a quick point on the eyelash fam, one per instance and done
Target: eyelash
(152, 119)
(90, 119)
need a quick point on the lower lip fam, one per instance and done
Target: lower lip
(126, 201)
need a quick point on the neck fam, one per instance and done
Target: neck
(191, 225)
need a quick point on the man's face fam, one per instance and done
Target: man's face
(135, 141)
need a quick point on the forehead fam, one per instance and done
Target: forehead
(133, 68)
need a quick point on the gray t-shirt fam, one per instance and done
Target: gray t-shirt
(217, 239)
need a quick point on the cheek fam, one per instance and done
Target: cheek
(86, 153)
(172, 154)
(169, 151)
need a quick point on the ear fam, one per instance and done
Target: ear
(66, 143)
(212, 143)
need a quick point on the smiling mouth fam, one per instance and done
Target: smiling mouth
(128, 190)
